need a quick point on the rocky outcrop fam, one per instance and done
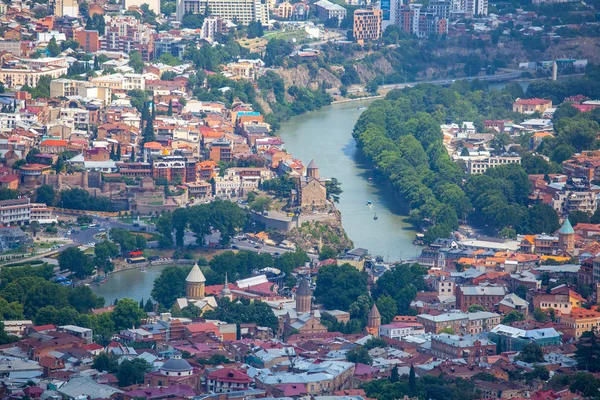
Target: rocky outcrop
(301, 76)
(316, 234)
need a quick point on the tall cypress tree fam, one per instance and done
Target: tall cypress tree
(118, 155)
(412, 380)
(112, 152)
(588, 352)
(170, 110)
(132, 155)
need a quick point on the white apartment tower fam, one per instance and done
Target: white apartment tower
(237, 11)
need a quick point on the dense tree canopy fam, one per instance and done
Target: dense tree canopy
(339, 286)
(401, 136)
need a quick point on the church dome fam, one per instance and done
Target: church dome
(176, 367)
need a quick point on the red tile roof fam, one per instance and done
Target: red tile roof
(55, 143)
(229, 375)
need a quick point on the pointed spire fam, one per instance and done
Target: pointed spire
(225, 291)
(303, 288)
(374, 313)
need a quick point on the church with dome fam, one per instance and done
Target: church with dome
(175, 371)
(195, 285)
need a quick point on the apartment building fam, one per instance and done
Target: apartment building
(221, 150)
(398, 330)
(126, 34)
(41, 213)
(367, 24)
(486, 296)
(121, 81)
(15, 212)
(584, 165)
(171, 168)
(561, 298)
(242, 11)
(66, 8)
(88, 40)
(472, 348)
(579, 321)
(28, 75)
(69, 87)
(459, 322)
(211, 26)
(481, 165)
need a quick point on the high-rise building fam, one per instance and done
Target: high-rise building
(367, 24)
(476, 7)
(126, 34)
(238, 11)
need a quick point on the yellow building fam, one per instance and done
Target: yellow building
(579, 321)
(13, 77)
(367, 25)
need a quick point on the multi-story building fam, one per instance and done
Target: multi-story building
(171, 168)
(238, 181)
(76, 117)
(11, 46)
(126, 34)
(66, 8)
(459, 322)
(514, 339)
(486, 296)
(326, 10)
(69, 87)
(121, 81)
(135, 170)
(561, 298)
(529, 106)
(367, 24)
(242, 11)
(481, 165)
(221, 150)
(29, 75)
(211, 26)
(171, 45)
(225, 380)
(41, 213)
(247, 69)
(472, 348)
(576, 195)
(579, 321)
(584, 165)
(475, 7)
(88, 40)
(398, 330)
(15, 212)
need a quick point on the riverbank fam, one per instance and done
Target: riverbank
(326, 136)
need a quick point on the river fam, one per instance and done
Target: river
(326, 136)
(129, 283)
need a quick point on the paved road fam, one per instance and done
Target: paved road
(503, 75)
